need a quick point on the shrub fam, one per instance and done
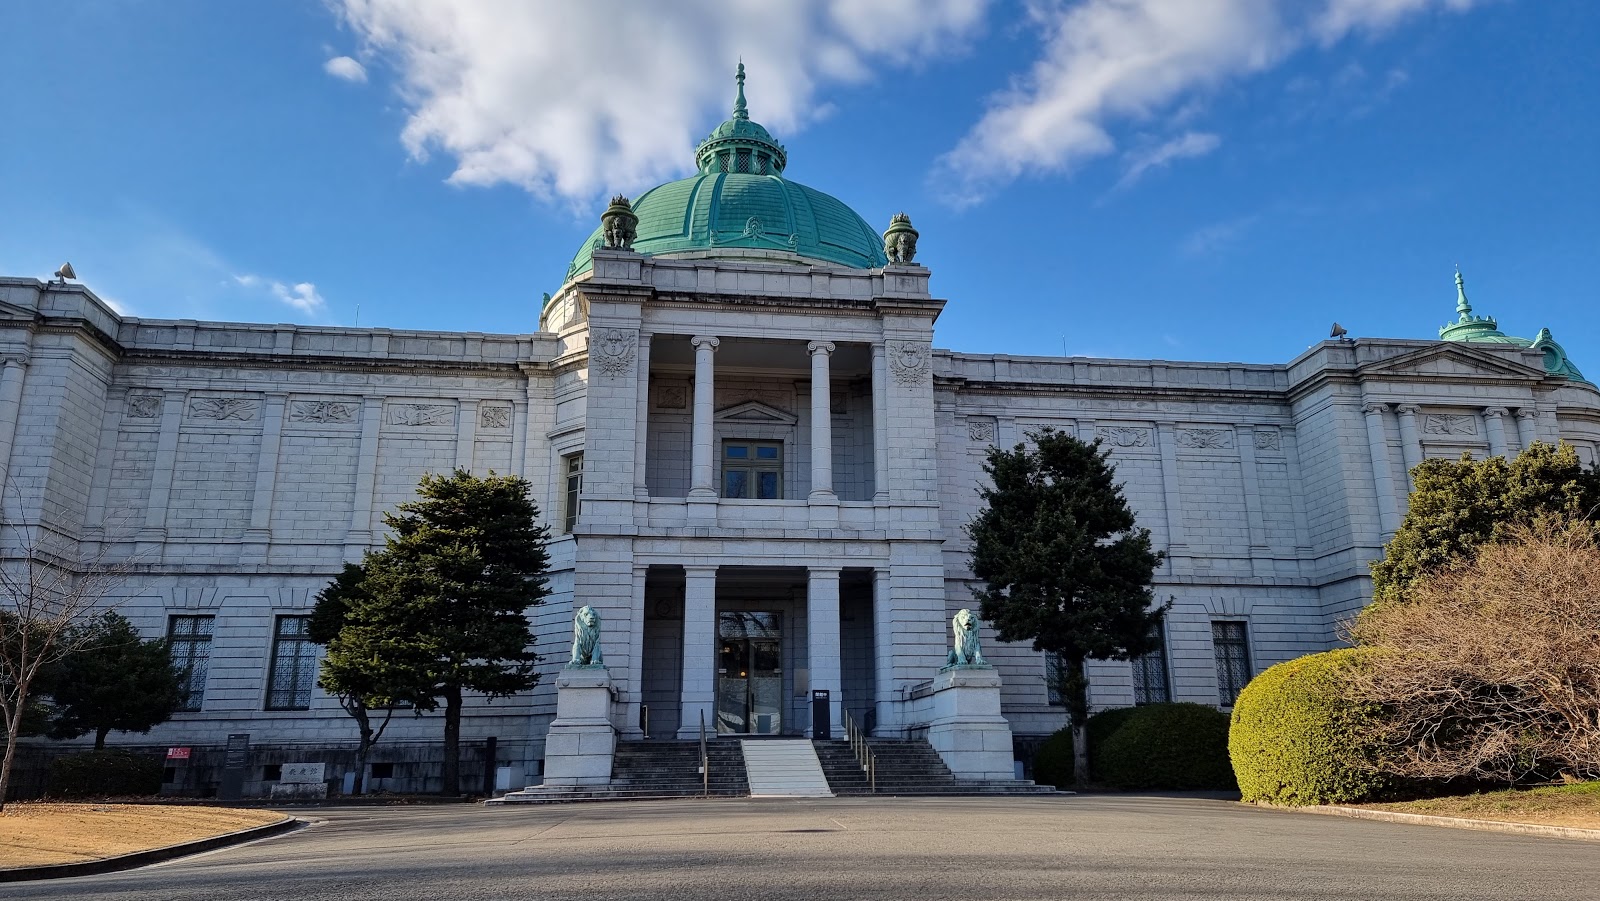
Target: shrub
(1172, 747)
(1052, 765)
(100, 774)
(1298, 738)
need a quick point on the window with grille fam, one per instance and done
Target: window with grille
(752, 469)
(742, 162)
(294, 665)
(1232, 645)
(1054, 668)
(574, 473)
(189, 643)
(1150, 684)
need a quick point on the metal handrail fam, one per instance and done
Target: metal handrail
(705, 760)
(862, 751)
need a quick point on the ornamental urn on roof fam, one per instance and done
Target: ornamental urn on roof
(618, 224)
(900, 241)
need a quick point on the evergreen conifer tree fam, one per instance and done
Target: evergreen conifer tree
(1063, 564)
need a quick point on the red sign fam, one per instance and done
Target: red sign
(177, 753)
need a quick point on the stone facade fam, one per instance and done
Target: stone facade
(238, 466)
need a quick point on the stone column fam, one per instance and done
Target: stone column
(258, 537)
(1382, 469)
(152, 539)
(1410, 443)
(359, 536)
(1494, 424)
(16, 367)
(1172, 499)
(635, 680)
(699, 650)
(467, 435)
(701, 486)
(1245, 438)
(821, 424)
(880, 423)
(1528, 426)
(641, 423)
(822, 641)
(888, 718)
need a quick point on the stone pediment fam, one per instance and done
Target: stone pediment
(1449, 360)
(755, 412)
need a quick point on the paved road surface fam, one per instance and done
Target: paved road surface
(906, 849)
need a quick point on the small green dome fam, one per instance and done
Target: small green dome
(1470, 329)
(740, 199)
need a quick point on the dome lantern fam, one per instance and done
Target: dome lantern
(739, 145)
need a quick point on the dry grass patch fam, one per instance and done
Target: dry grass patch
(37, 834)
(1577, 806)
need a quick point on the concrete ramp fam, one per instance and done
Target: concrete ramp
(784, 769)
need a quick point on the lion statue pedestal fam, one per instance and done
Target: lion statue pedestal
(581, 741)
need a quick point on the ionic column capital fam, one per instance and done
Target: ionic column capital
(820, 347)
(1375, 409)
(1496, 412)
(1407, 409)
(706, 341)
(1526, 414)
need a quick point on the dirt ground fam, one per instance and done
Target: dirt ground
(1577, 806)
(34, 834)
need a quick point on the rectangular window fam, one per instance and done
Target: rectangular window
(1150, 673)
(574, 475)
(189, 643)
(752, 469)
(1054, 666)
(1232, 645)
(742, 161)
(294, 665)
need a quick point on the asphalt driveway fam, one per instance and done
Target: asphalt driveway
(1098, 847)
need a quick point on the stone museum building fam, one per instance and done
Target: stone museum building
(756, 464)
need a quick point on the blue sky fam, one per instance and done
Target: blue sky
(1182, 179)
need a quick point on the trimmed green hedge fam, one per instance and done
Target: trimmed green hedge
(1168, 747)
(104, 774)
(1052, 764)
(1296, 738)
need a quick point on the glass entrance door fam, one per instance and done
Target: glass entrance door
(749, 673)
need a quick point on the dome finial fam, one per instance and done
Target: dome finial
(1463, 308)
(740, 111)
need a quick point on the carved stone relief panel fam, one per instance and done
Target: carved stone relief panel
(1125, 436)
(1205, 438)
(910, 361)
(980, 430)
(1450, 424)
(494, 417)
(420, 415)
(1268, 440)
(672, 397)
(611, 351)
(224, 409)
(144, 406)
(336, 412)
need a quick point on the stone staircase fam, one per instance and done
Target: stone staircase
(784, 769)
(907, 767)
(643, 770)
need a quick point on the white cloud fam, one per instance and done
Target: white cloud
(1109, 61)
(1217, 237)
(302, 296)
(573, 100)
(346, 68)
(1340, 17)
(1188, 145)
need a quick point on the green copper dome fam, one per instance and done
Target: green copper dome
(740, 199)
(1472, 329)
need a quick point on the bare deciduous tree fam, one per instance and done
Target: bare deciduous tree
(45, 597)
(1492, 668)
